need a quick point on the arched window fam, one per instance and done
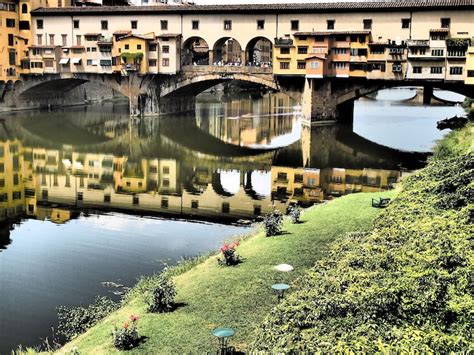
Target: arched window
(24, 9)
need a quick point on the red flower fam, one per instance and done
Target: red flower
(134, 318)
(125, 325)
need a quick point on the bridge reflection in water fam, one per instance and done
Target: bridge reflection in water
(56, 164)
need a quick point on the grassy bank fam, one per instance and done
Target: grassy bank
(238, 297)
(404, 287)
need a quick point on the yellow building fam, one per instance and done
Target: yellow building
(470, 66)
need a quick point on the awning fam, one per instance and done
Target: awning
(64, 61)
(95, 62)
(76, 61)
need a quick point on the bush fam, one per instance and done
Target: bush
(126, 336)
(76, 320)
(295, 213)
(230, 256)
(404, 287)
(273, 222)
(160, 298)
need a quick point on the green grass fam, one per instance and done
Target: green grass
(239, 297)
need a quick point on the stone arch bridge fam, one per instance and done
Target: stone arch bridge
(329, 99)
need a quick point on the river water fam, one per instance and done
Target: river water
(88, 196)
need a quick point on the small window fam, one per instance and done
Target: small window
(152, 62)
(331, 24)
(104, 25)
(64, 40)
(39, 24)
(260, 24)
(285, 50)
(24, 9)
(470, 73)
(302, 50)
(139, 46)
(406, 22)
(284, 65)
(51, 40)
(445, 22)
(166, 183)
(416, 70)
(134, 24)
(455, 70)
(107, 198)
(227, 25)
(225, 207)
(164, 25)
(257, 210)
(80, 196)
(127, 46)
(166, 49)
(436, 70)
(164, 203)
(295, 25)
(301, 64)
(165, 62)
(195, 25)
(367, 24)
(76, 24)
(11, 40)
(194, 204)
(39, 40)
(10, 22)
(135, 200)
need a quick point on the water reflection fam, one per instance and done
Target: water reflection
(187, 165)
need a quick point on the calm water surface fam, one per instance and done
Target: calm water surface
(88, 196)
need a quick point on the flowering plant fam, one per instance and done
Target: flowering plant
(126, 336)
(230, 257)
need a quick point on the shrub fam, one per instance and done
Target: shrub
(76, 320)
(295, 213)
(230, 256)
(160, 298)
(273, 222)
(126, 336)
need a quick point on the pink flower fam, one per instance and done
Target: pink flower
(134, 318)
(125, 325)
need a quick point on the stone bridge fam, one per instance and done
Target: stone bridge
(326, 99)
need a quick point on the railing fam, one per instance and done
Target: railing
(231, 69)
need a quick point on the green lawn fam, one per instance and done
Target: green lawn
(239, 297)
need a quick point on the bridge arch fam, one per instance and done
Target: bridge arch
(259, 50)
(195, 50)
(227, 50)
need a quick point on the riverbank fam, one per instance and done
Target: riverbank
(239, 297)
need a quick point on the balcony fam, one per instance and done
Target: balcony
(227, 69)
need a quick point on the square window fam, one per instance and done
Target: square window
(331, 24)
(195, 25)
(194, 204)
(367, 24)
(134, 24)
(260, 24)
(107, 198)
(39, 24)
(164, 203)
(10, 22)
(406, 22)
(104, 25)
(164, 25)
(166, 49)
(139, 46)
(295, 25)
(302, 50)
(257, 210)
(284, 65)
(227, 25)
(445, 22)
(416, 70)
(301, 65)
(284, 50)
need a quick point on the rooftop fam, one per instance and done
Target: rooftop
(259, 8)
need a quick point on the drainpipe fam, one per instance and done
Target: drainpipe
(276, 26)
(411, 23)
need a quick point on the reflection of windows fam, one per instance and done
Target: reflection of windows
(225, 207)
(44, 194)
(298, 192)
(164, 203)
(153, 169)
(166, 170)
(194, 204)
(2, 168)
(166, 182)
(15, 179)
(16, 195)
(311, 182)
(3, 197)
(282, 177)
(2, 182)
(80, 196)
(107, 198)
(298, 178)
(257, 210)
(135, 200)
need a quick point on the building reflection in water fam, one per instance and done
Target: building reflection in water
(47, 171)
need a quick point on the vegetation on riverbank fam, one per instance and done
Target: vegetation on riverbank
(210, 295)
(404, 287)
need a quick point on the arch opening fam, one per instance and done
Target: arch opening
(259, 52)
(195, 52)
(228, 51)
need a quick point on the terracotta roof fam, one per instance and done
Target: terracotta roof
(317, 57)
(77, 47)
(328, 33)
(123, 32)
(137, 36)
(42, 47)
(260, 8)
